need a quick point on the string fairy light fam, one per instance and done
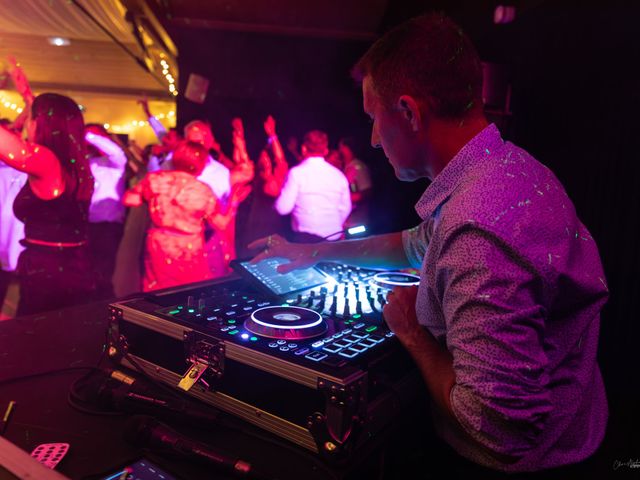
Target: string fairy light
(166, 71)
(9, 106)
(10, 109)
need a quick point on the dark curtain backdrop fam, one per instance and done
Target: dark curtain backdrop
(305, 84)
(575, 104)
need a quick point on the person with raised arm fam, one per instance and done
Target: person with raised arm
(169, 139)
(262, 219)
(108, 162)
(54, 269)
(273, 174)
(179, 206)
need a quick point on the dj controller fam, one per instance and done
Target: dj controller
(305, 355)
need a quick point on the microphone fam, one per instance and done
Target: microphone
(146, 432)
(128, 395)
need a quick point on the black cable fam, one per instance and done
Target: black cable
(138, 60)
(137, 368)
(327, 237)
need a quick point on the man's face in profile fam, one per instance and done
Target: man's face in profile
(392, 132)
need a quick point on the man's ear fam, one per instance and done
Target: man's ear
(410, 110)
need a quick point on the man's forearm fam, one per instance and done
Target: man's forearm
(436, 367)
(381, 251)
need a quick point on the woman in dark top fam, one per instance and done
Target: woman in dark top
(54, 269)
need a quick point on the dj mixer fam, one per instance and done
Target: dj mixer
(305, 355)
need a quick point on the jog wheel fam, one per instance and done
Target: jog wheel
(287, 323)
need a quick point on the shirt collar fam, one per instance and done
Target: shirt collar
(313, 159)
(476, 150)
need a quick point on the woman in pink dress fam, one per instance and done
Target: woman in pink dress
(179, 205)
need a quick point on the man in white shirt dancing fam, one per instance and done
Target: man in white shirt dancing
(315, 193)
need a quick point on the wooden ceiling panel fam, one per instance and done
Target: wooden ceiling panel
(87, 64)
(354, 19)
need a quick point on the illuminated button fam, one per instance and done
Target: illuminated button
(233, 332)
(264, 304)
(284, 348)
(370, 329)
(301, 351)
(349, 353)
(180, 307)
(333, 348)
(230, 313)
(358, 325)
(191, 310)
(247, 309)
(231, 321)
(211, 319)
(226, 328)
(292, 346)
(358, 348)
(356, 315)
(317, 344)
(337, 335)
(254, 339)
(352, 339)
(346, 331)
(281, 342)
(251, 300)
(376, 338)
(389, 334)
(359, 335)
(273, 344)
(174, 312)
(245, 336)
(316, 356)
(341, 344)
(367, 343)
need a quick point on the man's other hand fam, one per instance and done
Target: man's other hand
(300, 255)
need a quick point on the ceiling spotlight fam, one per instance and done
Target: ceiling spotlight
(59, 41)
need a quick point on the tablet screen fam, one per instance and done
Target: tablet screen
(265, 274)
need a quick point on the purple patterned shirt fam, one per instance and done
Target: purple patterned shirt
(512, 284)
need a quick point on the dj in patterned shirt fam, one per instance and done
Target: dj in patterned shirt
(504, 325)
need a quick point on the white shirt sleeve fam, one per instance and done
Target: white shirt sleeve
(344, 206)
(287, 199)
(116, 155)
(225, 184)
(157, 127)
